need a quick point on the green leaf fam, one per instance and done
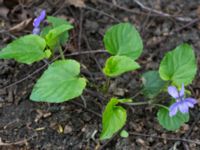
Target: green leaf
(48, 53)
(57, 22)
(117, 65)
(45, 31)
(179, 65)
(53, 36)
(123, 39)
(124, 134)
(171, 123)
(153, 84)
(27, 49)
(59, 83)
(114, 118)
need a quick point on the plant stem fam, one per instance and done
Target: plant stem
(138, 103)
(146, 103)
(106, 86)
(160, 105)
(61, 53)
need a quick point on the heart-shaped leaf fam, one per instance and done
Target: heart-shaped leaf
(114, 118)
(171, 123)
(124, 40)
(59, 83)
(27, 49)
(179, 65)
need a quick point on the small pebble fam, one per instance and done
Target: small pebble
(67, 129)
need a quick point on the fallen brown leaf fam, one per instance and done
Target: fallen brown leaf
(76, 3)
(198, 11)
(20, 26)
(4, 11)
(67, 129)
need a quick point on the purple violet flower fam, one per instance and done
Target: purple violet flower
(37, 21)
(181, 103)
(36, 30)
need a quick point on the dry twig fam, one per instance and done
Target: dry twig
(154, 12)
(183, 19)
(166, 138)
(20, 142)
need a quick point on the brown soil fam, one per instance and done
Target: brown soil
(76, 124)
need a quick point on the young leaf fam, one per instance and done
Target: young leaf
(123, 39)
(179, 65)
(114, 118)
(45, 31)
(117, 65)
(171, 123)
(27, 49)
(57, 22)
(59, 83)
(53, 36)
(153, 84)
(48, 53)
(124, 134)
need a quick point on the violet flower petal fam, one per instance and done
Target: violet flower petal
(172, 90)
(39, 19)
(42, 14)
(36, 31)
(191, 101)
(173, 109)
(183, 107)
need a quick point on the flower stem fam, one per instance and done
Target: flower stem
(146, 103)
(138, 103)
(160, 105)
(61, 53)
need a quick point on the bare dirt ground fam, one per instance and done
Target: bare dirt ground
(74, 125)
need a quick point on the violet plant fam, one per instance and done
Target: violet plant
(62, 82)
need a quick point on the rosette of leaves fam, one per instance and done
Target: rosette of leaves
(178, 67)
(32, 48)
(124, 43)
(61, 81)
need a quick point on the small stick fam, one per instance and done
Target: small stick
(103, 13)
(156, 12)
(87, 109)
(166, 138)
(187, 25)
(162, 13)
(21, 142)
